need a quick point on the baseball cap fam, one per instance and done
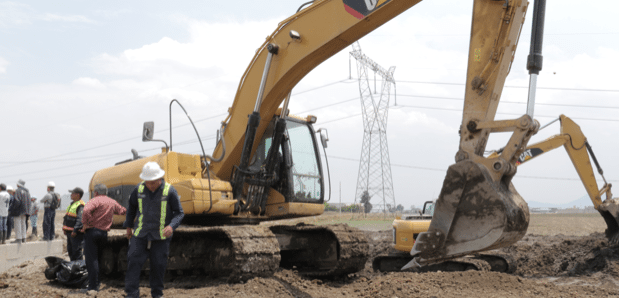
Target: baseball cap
(77, 190)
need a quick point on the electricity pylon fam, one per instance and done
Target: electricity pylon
(374, 166)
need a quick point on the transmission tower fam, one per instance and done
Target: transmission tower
(374, 166)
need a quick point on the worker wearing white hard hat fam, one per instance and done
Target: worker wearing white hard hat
(152, 172)
(152, 201)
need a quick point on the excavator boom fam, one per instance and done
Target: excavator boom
(302, 42)
(478, 208)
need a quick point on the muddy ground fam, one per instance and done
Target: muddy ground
(551, 263)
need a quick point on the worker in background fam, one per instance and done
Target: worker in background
(23, 195)
(97, 220)
(34, 215)
(9, 219)
(5, 198)
(72, 225)
(158, 209)
(49, 213)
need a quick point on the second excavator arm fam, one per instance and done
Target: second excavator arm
(580, 152)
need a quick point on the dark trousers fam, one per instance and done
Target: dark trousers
(94, 240)
(9, 226)
(48, 224)
(137, 255)
(75, 246)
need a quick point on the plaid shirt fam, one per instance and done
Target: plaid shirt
(99, 212)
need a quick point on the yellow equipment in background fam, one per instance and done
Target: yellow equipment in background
(406, 229)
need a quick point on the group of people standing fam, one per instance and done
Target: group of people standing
(17, 207)
(154, 212)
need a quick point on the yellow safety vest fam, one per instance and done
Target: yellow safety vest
(162, 211)
(71, 217)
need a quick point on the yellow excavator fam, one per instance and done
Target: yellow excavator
(266, 165)
(407, 229)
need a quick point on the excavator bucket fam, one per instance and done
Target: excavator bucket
(472, 214)
(609, 210)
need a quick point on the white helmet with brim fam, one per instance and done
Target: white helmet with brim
(151, 171)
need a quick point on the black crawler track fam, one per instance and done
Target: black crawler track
(242, 252)
(323, 251)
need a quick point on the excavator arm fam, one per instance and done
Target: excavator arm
(299, 44)
(478, 208)
(578, 149)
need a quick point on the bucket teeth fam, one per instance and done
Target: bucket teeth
(473, 213)
(609, 210)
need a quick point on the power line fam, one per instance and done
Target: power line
(445, 170)
(513, 102)
(508, 86)
(323, 86)
(350, 81)
(51, 158)
(512, 114)
(68, 159)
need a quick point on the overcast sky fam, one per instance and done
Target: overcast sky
(78, 79)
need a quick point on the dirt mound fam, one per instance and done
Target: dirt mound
(570, 256)
(548, 266)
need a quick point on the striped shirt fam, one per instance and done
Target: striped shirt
(99, 212)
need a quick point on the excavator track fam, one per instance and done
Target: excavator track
(322, 251)
(497, 262)
(235, 252)
(241, 252)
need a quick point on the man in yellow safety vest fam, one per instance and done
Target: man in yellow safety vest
(72, 225)
(157, 206)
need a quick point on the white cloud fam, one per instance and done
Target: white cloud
(89, 82)
(3, 65)
(210, 46)
(13, 14)
(17, 14)
(66, 18)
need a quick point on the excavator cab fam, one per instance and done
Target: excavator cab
(297, 168)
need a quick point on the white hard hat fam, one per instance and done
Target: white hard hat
(8, 187)
(51, 184)
(151, 171)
